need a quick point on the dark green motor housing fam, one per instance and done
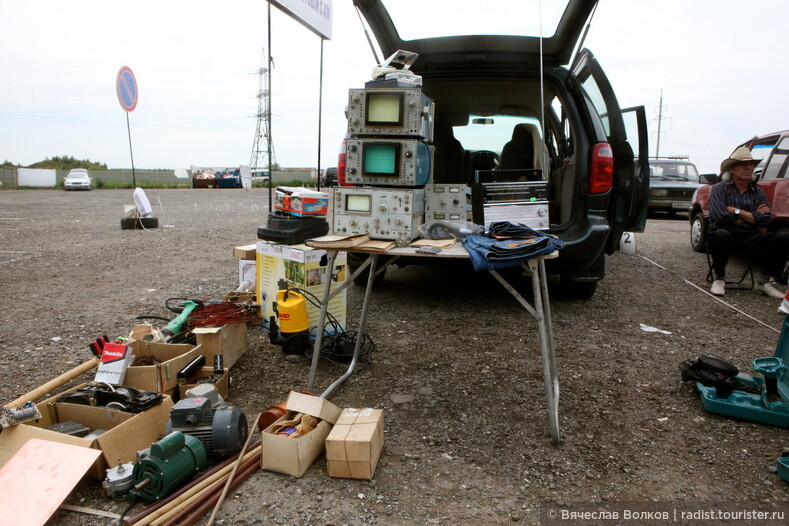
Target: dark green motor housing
(166, 465)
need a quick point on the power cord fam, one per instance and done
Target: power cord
(338, 344)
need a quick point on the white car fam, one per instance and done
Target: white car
(77, 179)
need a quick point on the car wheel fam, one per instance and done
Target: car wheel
(698, 232)
(131, 223)
(355, 261)
(578, 290)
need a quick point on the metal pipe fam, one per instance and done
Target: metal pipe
(360, 331)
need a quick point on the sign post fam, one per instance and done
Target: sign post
(126, 88)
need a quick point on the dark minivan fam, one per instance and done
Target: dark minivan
(592, 153)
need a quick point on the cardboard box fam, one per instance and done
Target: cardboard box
(126, 433)
(222, 385)
(229, 341)
(354, 443)
(292, 456)
(163, 376)
(301, 201)
(245, 251)
(280, 266)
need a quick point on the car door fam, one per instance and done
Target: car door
(627, 206)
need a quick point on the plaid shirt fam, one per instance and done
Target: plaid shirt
(724, 194)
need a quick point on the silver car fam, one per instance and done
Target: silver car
(77, 179)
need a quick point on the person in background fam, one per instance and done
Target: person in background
(739, 213)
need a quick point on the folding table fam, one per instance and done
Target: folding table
(540, 311)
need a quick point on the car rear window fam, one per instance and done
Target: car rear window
(416, 19)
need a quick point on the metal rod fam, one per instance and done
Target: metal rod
(128, 130)
(320, 114)
(268, 113)
(547, 359)
(316, 350)
(360, 330)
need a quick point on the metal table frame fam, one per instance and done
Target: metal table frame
(541, 311)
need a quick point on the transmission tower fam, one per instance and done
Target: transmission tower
(262, 147)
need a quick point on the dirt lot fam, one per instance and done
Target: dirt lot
(456, 369)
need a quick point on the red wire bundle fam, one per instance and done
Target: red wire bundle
(221, 314)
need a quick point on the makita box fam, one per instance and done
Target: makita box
(301, 201)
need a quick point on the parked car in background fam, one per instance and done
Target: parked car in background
(591, 152)
(77, 179)
(329, 177)
(672, 182)
(770, 175)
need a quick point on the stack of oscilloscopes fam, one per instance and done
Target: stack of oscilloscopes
(388, 157)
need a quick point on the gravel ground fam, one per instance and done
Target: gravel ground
(456, 369)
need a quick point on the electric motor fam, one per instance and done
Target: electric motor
(222, 430)
(166, 465)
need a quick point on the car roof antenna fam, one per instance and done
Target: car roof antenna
(366, 34)
(542, 99)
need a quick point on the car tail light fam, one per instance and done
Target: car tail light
(602, 177)
(341, 162)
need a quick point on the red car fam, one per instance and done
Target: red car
(771, 176)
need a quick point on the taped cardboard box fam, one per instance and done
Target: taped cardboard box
(161, 376)
(354, 443)
(126, 433)
(228, 341)
(292, 456)
(222, 382)
(245, 251)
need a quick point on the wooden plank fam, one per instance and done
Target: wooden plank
(36, 481)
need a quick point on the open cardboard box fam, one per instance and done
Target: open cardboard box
(222, 385)
(229, 341)
(292, 456)
(354, 443)
(126, 433)
(162, 377)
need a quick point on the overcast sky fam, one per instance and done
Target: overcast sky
(721, 66)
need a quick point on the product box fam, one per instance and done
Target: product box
(301, 201)
(222, 384)
(166, 358)
(292, 456)
(354, 443)
(126, 433)
(280, 266)
(228, 341)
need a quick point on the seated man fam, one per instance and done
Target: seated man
(739, 211)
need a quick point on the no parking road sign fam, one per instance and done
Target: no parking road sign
(126, 86)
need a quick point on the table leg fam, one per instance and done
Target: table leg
(545, 336)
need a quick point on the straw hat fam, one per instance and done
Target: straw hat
(740, 155)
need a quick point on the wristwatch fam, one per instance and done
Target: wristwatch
(737, 211)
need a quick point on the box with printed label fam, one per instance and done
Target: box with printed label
(303, 267)
(354, 443)
(293, 455)
(124, 433)
(301, 201)
(228, 341)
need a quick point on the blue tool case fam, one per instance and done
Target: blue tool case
(726, 391)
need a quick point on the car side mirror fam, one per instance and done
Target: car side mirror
(709, 178)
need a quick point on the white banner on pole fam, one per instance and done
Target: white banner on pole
(316, 15)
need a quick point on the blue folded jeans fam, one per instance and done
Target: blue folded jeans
(488, 253)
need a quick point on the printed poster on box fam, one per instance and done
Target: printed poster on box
(302, 267)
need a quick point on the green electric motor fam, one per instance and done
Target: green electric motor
(166, 465)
